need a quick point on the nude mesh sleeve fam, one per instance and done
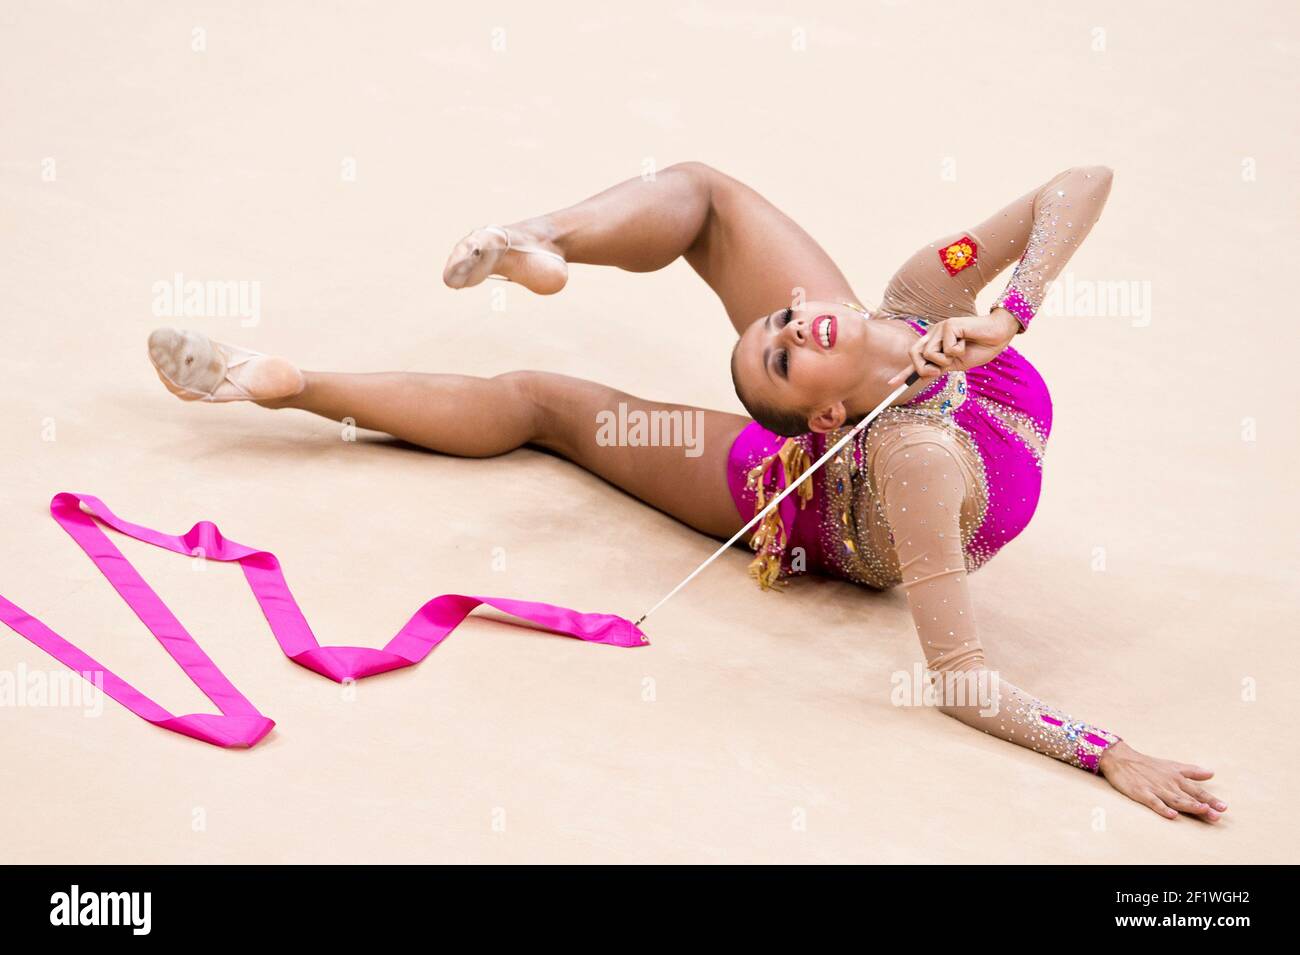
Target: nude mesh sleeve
(1038, 232)
(923, 480)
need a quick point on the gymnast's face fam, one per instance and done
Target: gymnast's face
(805, 360)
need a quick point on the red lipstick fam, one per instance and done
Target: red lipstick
(827, 325)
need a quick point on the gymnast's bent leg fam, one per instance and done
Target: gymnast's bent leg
(749, 252)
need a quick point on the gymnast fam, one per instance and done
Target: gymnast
(938, 483)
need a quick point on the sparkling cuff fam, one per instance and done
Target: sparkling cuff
(1017, 305)
(1088, 742)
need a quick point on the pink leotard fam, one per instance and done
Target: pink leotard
(935, 487)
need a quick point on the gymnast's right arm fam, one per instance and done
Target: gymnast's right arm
(1039, 232)
(920, 483)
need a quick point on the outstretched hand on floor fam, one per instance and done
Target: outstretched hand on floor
(1164, 786)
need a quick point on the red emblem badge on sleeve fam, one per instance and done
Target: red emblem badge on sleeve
(959, 255)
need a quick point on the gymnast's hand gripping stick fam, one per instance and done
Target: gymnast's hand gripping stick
(776, 501)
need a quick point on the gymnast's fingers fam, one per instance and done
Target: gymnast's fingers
(933, 348)
(1156, 805)
(1185, 803)
(918, 364)
(1192, 807)
(917, 354)
(901, 376)
(1197, 791)
(953, 344)
(1192, 771)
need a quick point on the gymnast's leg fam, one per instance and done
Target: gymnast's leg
(748, 251)
(482, 417)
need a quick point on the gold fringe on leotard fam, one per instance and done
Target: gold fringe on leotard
(772, 535)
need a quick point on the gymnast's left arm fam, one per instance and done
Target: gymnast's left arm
(921, 485)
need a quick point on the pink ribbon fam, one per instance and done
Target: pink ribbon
(239, 722)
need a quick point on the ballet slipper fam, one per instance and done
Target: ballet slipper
(472, 262)
(193, 367)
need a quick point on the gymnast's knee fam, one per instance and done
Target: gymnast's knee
(701, 175)
(518, 401)
(556, 407)
(709, 187)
